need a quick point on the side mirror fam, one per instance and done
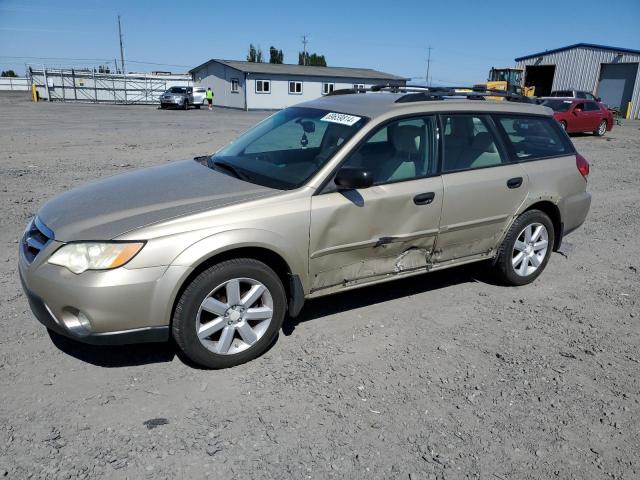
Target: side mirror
(351, 178)
(598, 99)
(577, 110)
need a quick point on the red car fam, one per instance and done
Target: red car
(581, 115)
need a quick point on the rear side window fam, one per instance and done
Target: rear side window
(469, 143)
(535, 137)
(591, 107)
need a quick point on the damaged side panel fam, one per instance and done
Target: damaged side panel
(359, 236)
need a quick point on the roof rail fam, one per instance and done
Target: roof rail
(417, 93)
(346, 91)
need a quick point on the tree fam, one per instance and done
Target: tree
(312, 59)
(255, 54)
(8, 73)
(275, 55)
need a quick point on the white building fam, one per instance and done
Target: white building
(266, 86)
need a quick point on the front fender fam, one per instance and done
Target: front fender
(183, 265)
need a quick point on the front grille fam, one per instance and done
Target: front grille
(35, 239)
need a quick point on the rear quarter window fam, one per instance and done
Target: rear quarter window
(531, 138)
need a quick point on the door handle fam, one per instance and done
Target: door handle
(424, 198)
(514, 182)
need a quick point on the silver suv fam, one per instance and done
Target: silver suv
(177, 97)
(333, 194)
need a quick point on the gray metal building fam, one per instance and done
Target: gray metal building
(608, 72)
(258, 86)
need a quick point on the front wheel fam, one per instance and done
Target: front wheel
(602, 129)
(230, 313)
(526, 248)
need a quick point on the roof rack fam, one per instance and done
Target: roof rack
(417, 93)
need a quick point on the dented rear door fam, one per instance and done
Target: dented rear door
(363, 235)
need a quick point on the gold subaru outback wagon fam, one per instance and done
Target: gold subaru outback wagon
(345, 191)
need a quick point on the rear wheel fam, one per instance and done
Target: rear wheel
(602, 129)
(230, 313)
(526, 249)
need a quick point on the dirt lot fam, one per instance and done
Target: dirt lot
(441, 376)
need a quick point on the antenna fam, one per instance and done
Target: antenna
(304, 48)
(428, 66)
(121, 47)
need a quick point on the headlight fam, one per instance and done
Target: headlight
(79, 257)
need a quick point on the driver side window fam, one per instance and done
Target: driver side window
(399, 151)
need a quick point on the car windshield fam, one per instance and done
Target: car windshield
(557, 105)
(287, 148)
(177, 90)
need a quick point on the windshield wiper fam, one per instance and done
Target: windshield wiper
(227, 167)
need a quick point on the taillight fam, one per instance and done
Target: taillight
(583, 165)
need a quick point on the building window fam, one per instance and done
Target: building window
(263, 86)
(235, 85)
(358, 86)
(295, 88)
(327, 88)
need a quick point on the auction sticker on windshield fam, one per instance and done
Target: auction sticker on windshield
(341, 118)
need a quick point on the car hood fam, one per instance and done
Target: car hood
(113, 206)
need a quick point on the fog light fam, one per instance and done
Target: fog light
(76, 322)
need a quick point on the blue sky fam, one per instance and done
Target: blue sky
(466, 37)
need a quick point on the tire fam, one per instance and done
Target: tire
(197, 107)
(228, 319)
(508, 268)
(185, 105)
(601, 130)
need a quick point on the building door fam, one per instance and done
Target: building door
(541, 77)
(616, 84)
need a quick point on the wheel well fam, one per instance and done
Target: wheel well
(554, 214)
(264, 255)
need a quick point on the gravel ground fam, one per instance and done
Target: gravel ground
(441, 376)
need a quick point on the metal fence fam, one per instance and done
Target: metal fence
(87, 85)
(20, 84)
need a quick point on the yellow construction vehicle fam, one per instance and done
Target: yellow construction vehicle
(507, 79)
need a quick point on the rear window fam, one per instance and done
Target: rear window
(535, 137)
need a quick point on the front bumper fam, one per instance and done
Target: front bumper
(110, 307)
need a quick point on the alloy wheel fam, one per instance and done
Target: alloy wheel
(530, 249)
(234, 316)
(602, 129)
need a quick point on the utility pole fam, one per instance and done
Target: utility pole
(304, 49)
(428, 66)
(121, 47)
